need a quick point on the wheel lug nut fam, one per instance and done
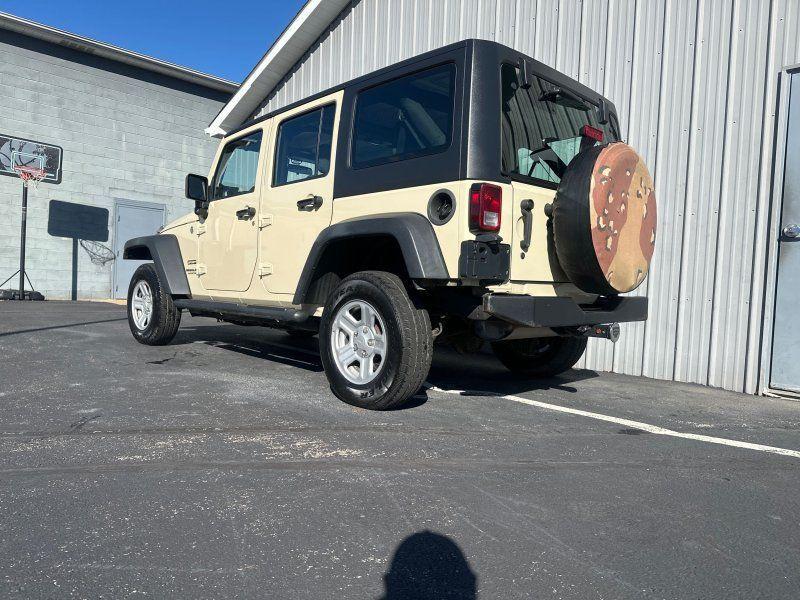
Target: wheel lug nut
(365, 330)
(371, 342)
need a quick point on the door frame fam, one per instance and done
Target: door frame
(118, 202)
(773, 227)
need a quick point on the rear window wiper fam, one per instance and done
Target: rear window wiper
(566, 98)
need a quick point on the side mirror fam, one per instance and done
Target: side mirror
(197, 190)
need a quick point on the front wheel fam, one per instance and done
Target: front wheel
(152, 315)
(540, 357)
(375, 345)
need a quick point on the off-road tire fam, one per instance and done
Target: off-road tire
(540, 357)
(165, 319)
(409, 348)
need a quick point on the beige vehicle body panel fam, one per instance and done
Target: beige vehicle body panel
(532, 274)
(280, 237)
(284, 244)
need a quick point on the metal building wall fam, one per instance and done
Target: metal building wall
(695, 83)
(126, 134)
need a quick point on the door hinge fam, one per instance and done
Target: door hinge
(201, 228)
(264, 221)
(200, 270)
(264, 269)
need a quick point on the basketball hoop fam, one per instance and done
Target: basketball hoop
(30, 175)
(99, 254)
(33, 162)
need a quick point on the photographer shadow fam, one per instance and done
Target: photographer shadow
(429, 566)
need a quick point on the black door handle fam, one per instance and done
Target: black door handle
(248, 212)
(310, 203)
(526, 206)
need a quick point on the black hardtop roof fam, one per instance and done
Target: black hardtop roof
(483, 50)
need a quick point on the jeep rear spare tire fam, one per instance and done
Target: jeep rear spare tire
(604, 220)
(376, 346)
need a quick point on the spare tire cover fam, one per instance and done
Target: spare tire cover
(604, 220)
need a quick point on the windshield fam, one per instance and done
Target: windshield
(541, 127)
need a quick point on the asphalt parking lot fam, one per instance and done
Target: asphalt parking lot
(221, 466)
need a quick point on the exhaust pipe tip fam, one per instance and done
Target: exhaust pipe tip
(611, 332)
(608, 331)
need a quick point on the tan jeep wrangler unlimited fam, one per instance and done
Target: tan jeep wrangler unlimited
(470, 194)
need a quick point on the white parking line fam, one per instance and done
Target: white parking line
(627, 422)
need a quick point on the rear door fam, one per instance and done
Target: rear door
(298, 201)
(228, 237)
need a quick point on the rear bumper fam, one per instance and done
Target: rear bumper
(531, 311)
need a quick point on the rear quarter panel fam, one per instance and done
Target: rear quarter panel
(536, 273)
(414, 200)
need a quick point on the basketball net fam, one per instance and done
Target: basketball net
(30, 175)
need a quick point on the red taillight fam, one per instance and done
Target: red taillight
(592, 133)
(485, 206)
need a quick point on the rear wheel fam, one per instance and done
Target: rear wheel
(152, 315)
(540, 357)
(376, 346)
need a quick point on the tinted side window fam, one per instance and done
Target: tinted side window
(238, 166)
(404, 118)
(304, 146)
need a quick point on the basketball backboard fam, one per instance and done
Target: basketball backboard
(19, 152)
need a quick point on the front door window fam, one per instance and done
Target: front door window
(238, 167)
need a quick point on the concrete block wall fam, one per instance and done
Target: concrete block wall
(126, 133)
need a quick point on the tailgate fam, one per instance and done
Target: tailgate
(533, 264)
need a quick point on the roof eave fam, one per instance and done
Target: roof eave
(307, 26)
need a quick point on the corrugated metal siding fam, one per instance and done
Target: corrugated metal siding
(695, 83)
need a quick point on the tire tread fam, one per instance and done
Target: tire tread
(166, 317)
(416, 340)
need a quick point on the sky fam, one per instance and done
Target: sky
(225, 39)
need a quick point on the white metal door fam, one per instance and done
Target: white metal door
(133, 219)
(785, 373)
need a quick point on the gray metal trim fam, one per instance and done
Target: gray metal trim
(413, 232)
(165, 253)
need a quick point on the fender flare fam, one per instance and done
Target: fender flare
(165, 253)
(413, 233)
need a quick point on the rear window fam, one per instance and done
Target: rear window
(404, 118)
(541, 127)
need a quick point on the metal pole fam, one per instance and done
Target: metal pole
(74, 295)
(22, 243)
